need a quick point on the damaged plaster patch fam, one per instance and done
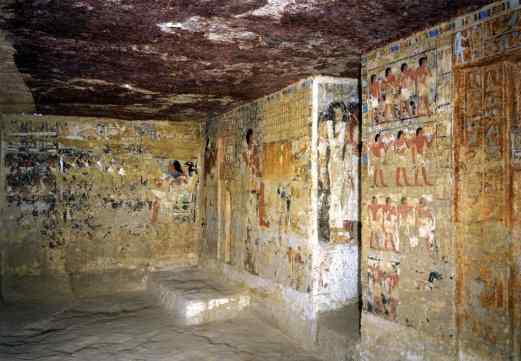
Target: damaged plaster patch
(215, 29)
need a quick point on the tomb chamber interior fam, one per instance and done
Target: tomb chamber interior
(260, 180)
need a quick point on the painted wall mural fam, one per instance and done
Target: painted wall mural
(31, 159)
(440, 119)
(483, 204)
(98, 194)
(403, 90)
(383, 280)
(406, 167)
(397, 219)
(497, 34)
(168, 189)
(403, 158)
(262, 165)
(338, 162)
(174, 191)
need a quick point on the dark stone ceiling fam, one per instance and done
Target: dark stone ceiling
(184, 59)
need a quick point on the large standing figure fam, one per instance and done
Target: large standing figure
(250, 157)
(336, 162)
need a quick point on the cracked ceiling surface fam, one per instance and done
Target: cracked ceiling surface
(185, 59)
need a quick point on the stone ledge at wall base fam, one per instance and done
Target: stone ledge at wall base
(270, 303)
(384, 340)
(194, 297)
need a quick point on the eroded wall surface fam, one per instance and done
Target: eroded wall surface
(262, 195)
(440, 262)
(88, 205)
(338, 191)
(258, 201)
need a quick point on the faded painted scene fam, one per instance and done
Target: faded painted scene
(258, 161)
(258, 176)
(72, 185)
(258, 200)
(338, 158)
(383, 285)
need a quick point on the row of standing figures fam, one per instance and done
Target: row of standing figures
(402, 96)
(407, 151)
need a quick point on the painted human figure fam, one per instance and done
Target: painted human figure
(471, 139)
(175, 176)
(375, 96)
(406, 90)
(251, 161)
(351, 164)
(401, 147)
(370, 287)
(423, 85)
(378, 152)
(419, 146)
(425, 224)
(515, 25)
(353, 125)
(405, 217)
(493, 143)
(460, 44)
(390, 226)
(210, 159)
(375, 224)
(390, 86)
(508, 31)
(337, 142)
(376, 280)
(323, 180)
(390, 281)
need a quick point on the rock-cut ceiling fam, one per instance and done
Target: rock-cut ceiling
(185, 59)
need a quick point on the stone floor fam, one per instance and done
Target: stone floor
(339, 333)
(130, 328)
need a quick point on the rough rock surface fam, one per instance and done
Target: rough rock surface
(127, 328)
(164, 59)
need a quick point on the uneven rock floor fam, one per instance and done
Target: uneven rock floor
(130, 328)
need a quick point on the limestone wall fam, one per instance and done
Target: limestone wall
(337, 124)
(88, 205)
(440, 261)
(262, 166)
(258, 201)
